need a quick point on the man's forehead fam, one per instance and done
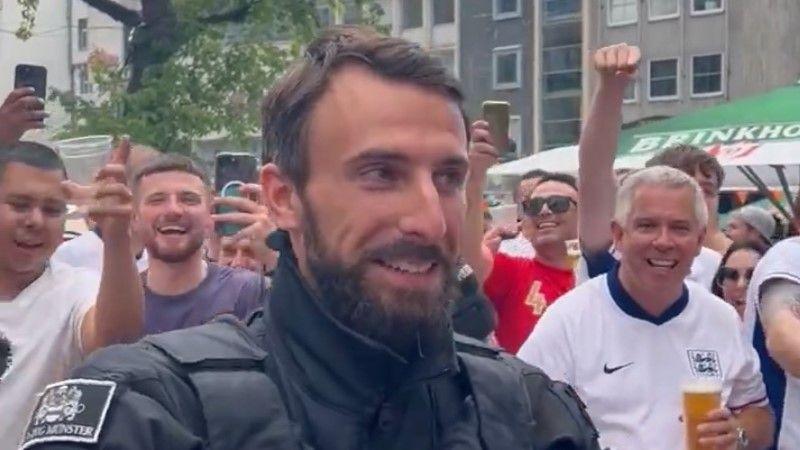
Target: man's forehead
(554, 187)
(357, 98)
(22, 179)
(171, 181)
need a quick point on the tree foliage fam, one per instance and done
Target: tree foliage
(194, 67)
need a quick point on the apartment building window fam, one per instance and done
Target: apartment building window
(631, 94)
(353, 14)
(664, 9)
(664, 79)
(561, 9)
(561, 68)
(443, 12)
(507, 67)
(707, 75)
(561, 121)
(84, 84)
(505, 9)
(412, 14)
(324, 16)
(700, 7)
(83, 34)
(622, 12)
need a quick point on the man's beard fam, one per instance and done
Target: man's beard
(397, 318)
(156, 251)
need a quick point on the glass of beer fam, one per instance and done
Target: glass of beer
(700, 397)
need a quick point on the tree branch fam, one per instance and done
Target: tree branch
(116, 11)
(234, 14)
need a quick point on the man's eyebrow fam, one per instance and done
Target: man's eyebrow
(378, 155)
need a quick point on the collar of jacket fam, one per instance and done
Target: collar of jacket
(347, 368)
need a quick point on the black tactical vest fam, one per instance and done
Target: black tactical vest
(245, 405)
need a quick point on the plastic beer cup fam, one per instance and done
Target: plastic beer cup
(700, 397)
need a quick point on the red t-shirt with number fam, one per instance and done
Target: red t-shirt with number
(521, 290)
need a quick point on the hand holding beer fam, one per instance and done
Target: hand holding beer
(709, 425)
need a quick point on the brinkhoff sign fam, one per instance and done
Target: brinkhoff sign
(647, 143)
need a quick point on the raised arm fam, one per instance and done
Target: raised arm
(118, 314)
(482, 155)
(615, 66)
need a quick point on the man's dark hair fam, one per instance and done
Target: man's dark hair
(287, 107)
(689, 159)
(559, 177)
(535, 173)
(169, 162)
(529, 175)
(31, 154)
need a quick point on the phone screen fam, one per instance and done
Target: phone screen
(31, 76)
(497, 115)
(232, 170)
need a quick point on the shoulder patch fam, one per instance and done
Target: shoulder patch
(70, 411)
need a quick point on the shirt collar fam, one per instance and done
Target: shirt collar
(630, 307)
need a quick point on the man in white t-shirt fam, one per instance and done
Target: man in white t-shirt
(52, 315)
(775, 288)
(627, 340)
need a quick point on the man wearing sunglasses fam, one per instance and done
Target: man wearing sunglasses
(522, 289)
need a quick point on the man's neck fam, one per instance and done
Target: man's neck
(175, 278)
(653, 299)
(12, 283)
(553, 255)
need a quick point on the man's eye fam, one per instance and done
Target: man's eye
(450, 180)
(54, 211)
(19, 206)
(379, 175)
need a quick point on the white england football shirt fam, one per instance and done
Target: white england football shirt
(781, 262)
(41, 328)
(628, 366)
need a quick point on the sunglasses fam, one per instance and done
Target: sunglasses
(557, 204)
(731, 274)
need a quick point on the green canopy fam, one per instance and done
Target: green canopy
(774, 116)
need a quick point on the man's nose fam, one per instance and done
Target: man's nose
(34, 218)
(423, 214)
(664, 239)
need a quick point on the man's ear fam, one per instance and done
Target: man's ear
(280, 197)
(616, 235)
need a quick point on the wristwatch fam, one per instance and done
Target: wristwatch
(742, 440)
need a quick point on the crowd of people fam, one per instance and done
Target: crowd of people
(369, 302)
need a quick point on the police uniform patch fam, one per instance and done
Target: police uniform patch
(70, 411)
(705, 363)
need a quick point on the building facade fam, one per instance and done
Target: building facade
(496, 61)
(698, 53)
(95, 34)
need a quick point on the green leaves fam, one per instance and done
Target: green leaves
(205, 75)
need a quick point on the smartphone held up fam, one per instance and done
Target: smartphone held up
(231, 172)
(497, 114)
(35, 77)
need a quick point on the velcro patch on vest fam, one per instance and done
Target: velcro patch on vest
(70, 411)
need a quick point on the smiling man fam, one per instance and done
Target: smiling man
(628, 339)
(522, 289)
(354, 349)
(172, 205)
(53, 315)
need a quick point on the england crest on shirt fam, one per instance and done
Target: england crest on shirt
(705, 363)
